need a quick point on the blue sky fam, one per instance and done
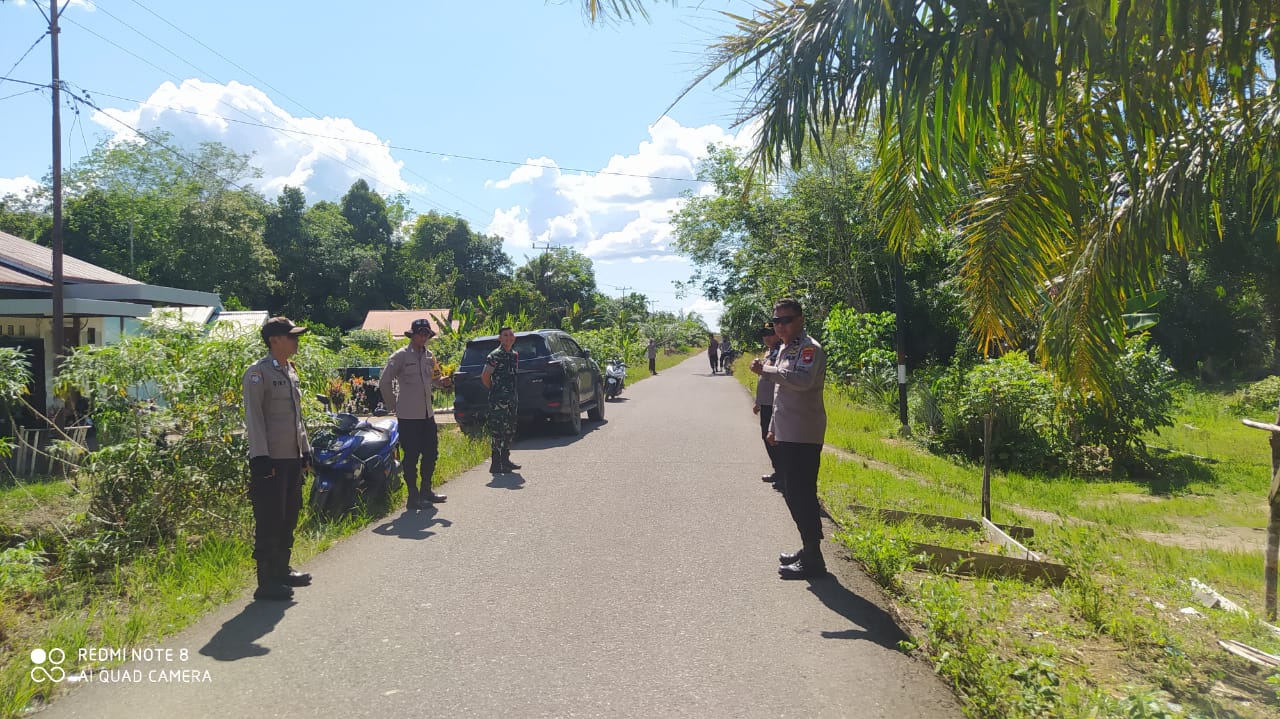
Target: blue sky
(515, 115)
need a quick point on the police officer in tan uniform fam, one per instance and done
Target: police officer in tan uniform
(764, 403)
(278, 454)
(414, 372)
(797, 430)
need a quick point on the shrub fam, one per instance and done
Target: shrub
(1262, 398)
(860, 350)
(1021, 399)
(1144, 397)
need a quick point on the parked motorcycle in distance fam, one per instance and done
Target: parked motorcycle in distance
(354, 458)
(615, 378)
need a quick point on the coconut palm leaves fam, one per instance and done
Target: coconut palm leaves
(1080, 140)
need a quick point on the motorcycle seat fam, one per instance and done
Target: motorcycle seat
(373, 441)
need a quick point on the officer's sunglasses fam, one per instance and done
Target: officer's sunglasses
(784, 320)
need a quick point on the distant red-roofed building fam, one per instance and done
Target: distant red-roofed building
(397, 321)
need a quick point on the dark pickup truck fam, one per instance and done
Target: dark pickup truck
(556, 380)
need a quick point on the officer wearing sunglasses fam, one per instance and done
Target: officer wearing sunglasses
(797, 430)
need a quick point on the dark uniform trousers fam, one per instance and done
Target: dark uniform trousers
(420, 444)
(800, 464)
(766, 414)
(276, 500)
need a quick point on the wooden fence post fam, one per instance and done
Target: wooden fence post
(1273, 523)
(987, 421)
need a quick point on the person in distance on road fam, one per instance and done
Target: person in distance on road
(499, 376)
(652, 352)
(413, 371)
(797, 429)
(764, 402)
(713, 353)
(726, 354)
(278, 454)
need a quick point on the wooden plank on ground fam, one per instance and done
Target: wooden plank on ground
(937, 520)
(979, 563)
(1244, 651)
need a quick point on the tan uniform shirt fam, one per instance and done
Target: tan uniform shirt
(273, 410)
(765, 383)
(799, 414)
(415, 373)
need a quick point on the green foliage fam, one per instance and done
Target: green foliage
(860, 350)
(1142, 401)
(1039, 425)
(21, 570)
(1261, 400)
(1020, 398)
(884, 556)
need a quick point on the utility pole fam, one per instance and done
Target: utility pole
(56, 85)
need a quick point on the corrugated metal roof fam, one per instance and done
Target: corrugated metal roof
(23, 256)
(398, 321)
(13, 279)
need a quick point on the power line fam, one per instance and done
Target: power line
(149, 138)
(233, 63)
(24, 55)
(403, 148)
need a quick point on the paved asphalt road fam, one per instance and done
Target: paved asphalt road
(629, 572)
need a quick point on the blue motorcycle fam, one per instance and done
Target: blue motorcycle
(354, 459)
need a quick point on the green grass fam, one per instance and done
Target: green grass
(1100, 645)
(159, 592)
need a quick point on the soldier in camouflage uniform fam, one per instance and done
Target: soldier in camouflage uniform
(500, 377)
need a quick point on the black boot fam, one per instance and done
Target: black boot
(428, 494)
(292, 577)
(784, 559)
(496, 465)
(809, 566)
(506, 460)
(413, 500)
(269, 586)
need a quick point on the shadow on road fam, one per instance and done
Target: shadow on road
(873, 623)
(413, 524)
(544, 435)
(510, 480)
(237, 638)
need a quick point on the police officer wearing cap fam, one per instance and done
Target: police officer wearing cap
(278, 454)
(764, 402)
(414, 372)
(797, 430)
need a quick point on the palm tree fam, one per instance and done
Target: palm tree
(1073, 143)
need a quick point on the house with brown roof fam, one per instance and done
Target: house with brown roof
(99, 306)
(397, 321)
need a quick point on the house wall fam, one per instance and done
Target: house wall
(102, 330)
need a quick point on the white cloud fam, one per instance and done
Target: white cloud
(708, 310)
(321, 155)
(620, 212)
(17, 185)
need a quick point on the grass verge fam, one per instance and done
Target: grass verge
(1123, 637)
(156, 594)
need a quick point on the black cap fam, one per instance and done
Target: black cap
(423, 326)
(766, 331)
(280, 326)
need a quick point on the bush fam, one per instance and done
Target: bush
(1021, 399)
(1262, 398)
(860, 351)
(1144, 397)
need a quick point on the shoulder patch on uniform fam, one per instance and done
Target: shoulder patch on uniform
(255, 378)
(807, 354)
